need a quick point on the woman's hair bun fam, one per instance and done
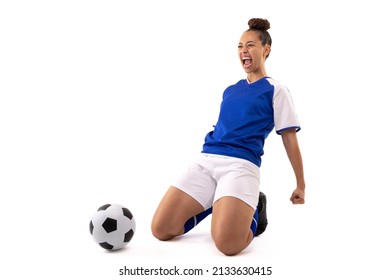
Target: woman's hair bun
(259, 24)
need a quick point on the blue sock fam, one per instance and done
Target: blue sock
(193, 221)
(254, 222)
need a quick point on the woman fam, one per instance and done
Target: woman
(224, 180)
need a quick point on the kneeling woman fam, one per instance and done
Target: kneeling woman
(225, 180)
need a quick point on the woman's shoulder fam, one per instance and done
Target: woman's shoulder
(273, 81)
(278, 86)
(241, 83)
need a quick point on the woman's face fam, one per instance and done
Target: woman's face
(251, 53)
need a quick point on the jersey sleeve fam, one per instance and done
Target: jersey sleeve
(285, 116)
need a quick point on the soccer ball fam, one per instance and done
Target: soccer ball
(112, 226)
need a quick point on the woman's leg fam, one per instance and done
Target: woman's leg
(174, 210)
(231, 225)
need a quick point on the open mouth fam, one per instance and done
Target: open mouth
(246, 61)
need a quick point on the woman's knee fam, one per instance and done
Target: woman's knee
(228, 243)
(174, 210)
(163, 231)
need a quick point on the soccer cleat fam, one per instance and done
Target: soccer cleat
(262, 212)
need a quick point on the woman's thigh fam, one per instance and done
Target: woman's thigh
(230, 225)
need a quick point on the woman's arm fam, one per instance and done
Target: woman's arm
(290, 143)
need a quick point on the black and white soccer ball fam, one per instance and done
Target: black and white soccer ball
(112, 226)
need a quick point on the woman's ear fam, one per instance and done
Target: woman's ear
(267, 50)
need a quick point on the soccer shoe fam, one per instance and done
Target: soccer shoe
(262, 212)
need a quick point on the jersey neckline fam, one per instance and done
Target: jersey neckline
(255, 82)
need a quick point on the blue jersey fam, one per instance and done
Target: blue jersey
(248, 113)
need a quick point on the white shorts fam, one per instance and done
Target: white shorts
(211, 177)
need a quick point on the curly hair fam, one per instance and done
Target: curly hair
(261, 26)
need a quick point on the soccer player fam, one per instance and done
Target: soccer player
(224, 180)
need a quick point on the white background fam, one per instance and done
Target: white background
(107, 101)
